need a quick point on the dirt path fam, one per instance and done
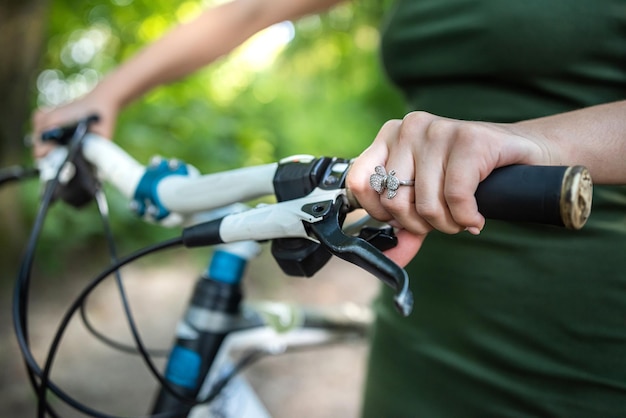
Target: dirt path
(324, 383)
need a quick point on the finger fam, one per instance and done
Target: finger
(358, 180)
(470, 162)
(408, 246)
(400, 204)
(462, 179)
(430, 173)
(401, 162)
(105, 126)
(45, 119)
(425, 139)
(41, 149)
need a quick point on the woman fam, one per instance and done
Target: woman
(521, 320)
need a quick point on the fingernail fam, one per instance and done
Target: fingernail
(473, 230)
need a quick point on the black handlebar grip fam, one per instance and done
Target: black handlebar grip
(555, 195)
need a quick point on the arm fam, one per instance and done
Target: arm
(448, 158)
(189, 47)
(594, 137)
(182, 51)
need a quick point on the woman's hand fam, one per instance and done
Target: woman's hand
(447, 159)
(92, 103)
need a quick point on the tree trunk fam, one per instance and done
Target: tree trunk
(22, 26)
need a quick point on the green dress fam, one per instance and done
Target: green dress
(523, 320)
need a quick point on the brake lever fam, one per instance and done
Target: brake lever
(360, 252)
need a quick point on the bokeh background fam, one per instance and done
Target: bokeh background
(309, 87)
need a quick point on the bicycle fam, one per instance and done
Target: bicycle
(305, 227)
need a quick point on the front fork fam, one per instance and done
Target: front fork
(213, 312)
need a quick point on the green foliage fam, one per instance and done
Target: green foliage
(323, 94)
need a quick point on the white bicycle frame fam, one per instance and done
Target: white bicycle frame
(194, 198)
(239, 399)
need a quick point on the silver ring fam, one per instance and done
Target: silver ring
(380, 181)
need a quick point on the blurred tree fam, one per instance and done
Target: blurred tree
(22, 24)
(313, 87)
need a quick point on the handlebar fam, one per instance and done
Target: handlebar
(555, 195)
(305, 223)
(183, 194)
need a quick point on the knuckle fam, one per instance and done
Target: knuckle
(440, 129)
(376, 210)
(456, 188)
(418, 117)
(458, 133)
(460, 205)
(353, 183)
(392, 124)
(469, 134)
(417, 226)
(413, 123)
(394, 206)
(455, 196)
(438, 218)
(388, 128)
(430, 211)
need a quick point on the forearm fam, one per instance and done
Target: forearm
(193, 45)
(594, 137)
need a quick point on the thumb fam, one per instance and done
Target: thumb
(408, 245)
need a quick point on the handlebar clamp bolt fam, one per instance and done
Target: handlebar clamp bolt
(155, 160)
(173, 164)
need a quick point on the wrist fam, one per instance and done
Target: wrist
(540, 149)
(111, 92)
